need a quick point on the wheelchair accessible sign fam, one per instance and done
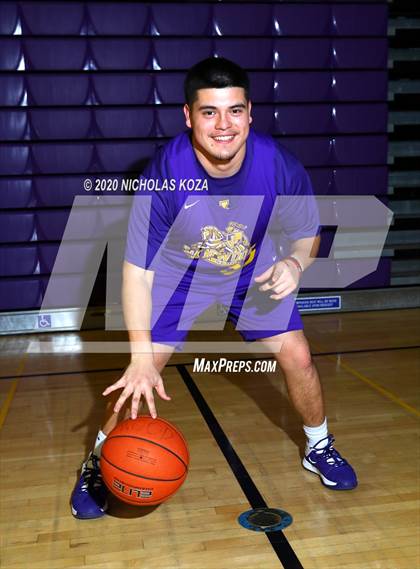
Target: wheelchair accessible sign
(316, 303)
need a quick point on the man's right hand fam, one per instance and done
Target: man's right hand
(139, 380)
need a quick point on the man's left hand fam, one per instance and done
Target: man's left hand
(281, 279)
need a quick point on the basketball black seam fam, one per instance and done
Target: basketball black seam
(151, 442)
(139, 475)
(157, 501)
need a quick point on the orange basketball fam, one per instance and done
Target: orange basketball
(144, 461)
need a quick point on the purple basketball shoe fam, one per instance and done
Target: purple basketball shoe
(335, 472)
(89, 497)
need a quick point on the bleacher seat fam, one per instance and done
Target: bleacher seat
(47, 54)
(122, 18)
(120, 53)
(122, 88)
(14, 125)
(180, 19)
(16, 260)
(359, 20)
(17, 227)
(124, 122)
(49, 18)
(302, 20)
(20, 293)
(50, 124)
(16, 193)
(12, 90)
(11, 53)
(238, 20)
(61, 157)
(9, 17)
(57, 89)
(174, 54)
(15, 159)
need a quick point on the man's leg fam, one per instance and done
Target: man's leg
(291, 350)
(89, 497)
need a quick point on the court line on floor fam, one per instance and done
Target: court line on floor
(278, 540)
(314, 354)
(376, 386)
(12, 390)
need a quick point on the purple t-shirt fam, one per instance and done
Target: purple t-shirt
(219, 227)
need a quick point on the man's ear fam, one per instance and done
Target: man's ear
(249, 111)
(187, 115)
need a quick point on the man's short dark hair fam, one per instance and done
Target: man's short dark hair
(214, 73)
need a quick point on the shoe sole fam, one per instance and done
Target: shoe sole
(328, 483)
(76, 515)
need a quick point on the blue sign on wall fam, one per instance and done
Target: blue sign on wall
(313, 303)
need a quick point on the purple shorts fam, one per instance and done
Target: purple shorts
(254, 315)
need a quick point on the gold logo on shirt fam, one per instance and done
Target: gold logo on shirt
(225, 204)
(230, 248)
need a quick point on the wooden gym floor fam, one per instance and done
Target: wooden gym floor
(51, 407)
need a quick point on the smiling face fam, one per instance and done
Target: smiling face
(219, 119)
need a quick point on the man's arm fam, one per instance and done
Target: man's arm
(141, 376)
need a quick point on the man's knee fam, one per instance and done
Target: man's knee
(295, 354)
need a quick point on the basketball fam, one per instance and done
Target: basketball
(144, 461)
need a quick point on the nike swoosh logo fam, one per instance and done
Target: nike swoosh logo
(187, 206)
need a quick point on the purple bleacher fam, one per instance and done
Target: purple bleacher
(300, 53)
(361, 180)
(124, 122)
(20, 293)
(263, 118)
(120, 53)
(301, 20)
(17, 227)
(16, 193)
(262, 86)
(57, 191)
(8, 18)
(50, 124)
(359, 85)
(14, 159)
(48, 18)
(117, 18)
(170, 87)
(321, 179)
(355, 150)
(60, 157)
(122, 88)
(50, 224)
(180, 19)
(42, 54)
(13, 125)
(295, 86)
(123, 156)
(359, 53)
(56, 90)
(302, 119)
(75, 256)
(360, 118)
(11, 52)
(252, 54)
(359, 20)
(47, 252)
(176, 54)
(237, 20)
(12, 90)
(16, 260)
(313, 151)
(169, 121)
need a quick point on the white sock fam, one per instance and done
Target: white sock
(100, 439)
(315, 435)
